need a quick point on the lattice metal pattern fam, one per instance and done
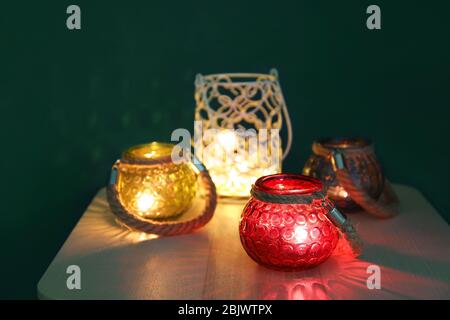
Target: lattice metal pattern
(240, 101)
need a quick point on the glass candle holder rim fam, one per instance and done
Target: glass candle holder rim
(146, 151)
(247, 78)
(344, 143)
(297, 184)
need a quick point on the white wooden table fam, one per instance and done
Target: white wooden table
(412, 251)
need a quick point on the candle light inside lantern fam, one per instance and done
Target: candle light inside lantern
(234, 165)
(228, 103)
(227, 139)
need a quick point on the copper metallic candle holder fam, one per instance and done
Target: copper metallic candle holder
(290, 224)
(353, 176)
(150, 193)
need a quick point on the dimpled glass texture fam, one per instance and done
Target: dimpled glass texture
(361, 163)
(162, 190)
(287, 237)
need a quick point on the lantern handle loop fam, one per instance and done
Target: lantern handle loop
(274, 73)
(167, 227)
(385, 207)
(114, 177)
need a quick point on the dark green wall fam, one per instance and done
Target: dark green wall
(71, 101)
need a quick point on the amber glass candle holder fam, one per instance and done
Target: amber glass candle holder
(148, 191)
(160, 189)
(289, 224)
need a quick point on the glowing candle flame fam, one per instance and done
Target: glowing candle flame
(300, 234)
(145, 202)
(149, 154)
(227, 139)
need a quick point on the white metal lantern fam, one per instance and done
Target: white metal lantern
(232, 109)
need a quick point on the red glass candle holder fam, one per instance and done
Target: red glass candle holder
(286, 225)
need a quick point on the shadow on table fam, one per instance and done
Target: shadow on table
(345, 278)
(211, 268)
(106, 251)
(340, 277)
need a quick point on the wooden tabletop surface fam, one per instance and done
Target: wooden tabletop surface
(412, 251)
